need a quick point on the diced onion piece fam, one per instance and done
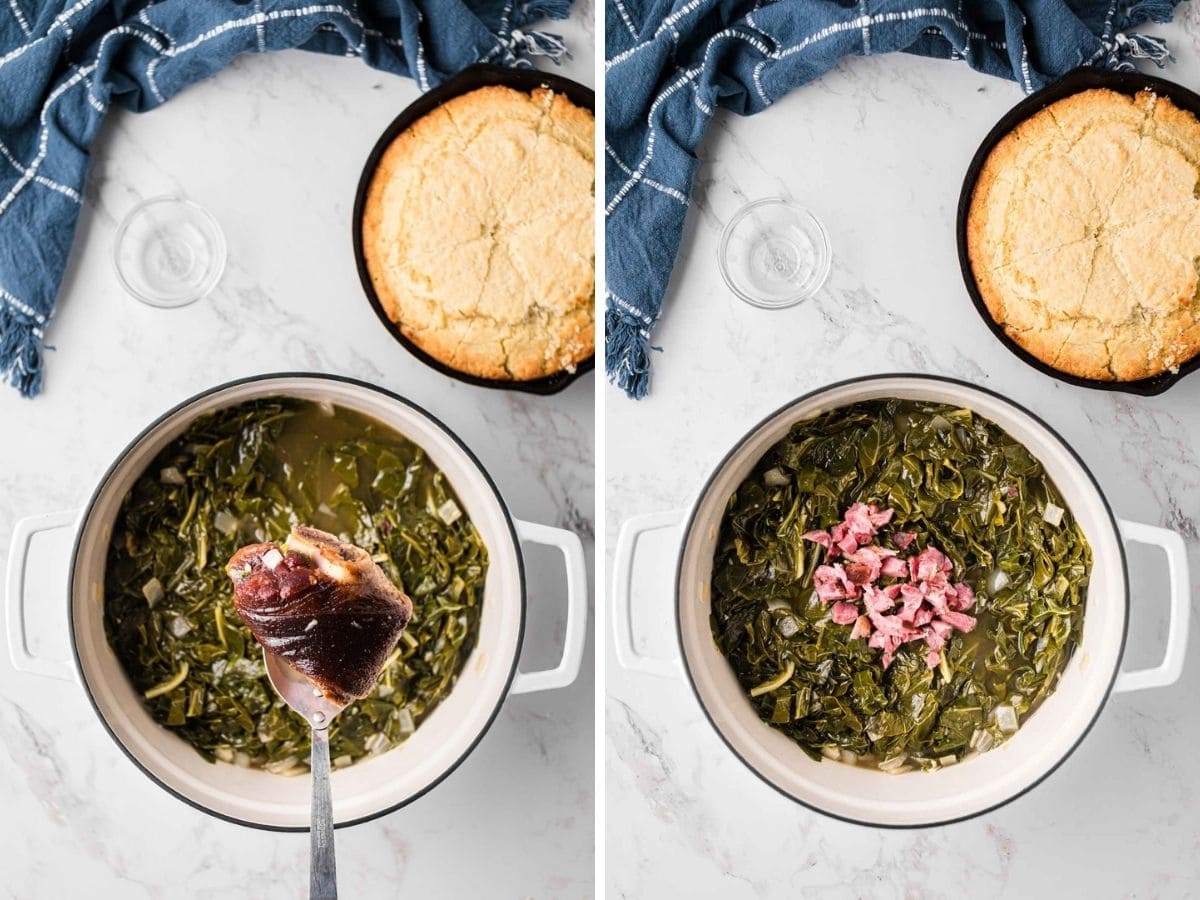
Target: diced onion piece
(224, 754)
(894, 763)
(405, 720)
(998, 581)
(778, 681)
(281, 766)
(788, 626)
(902, 770)
(1053, 514)
(831, 752)
(179, 626)
(325, 407)
(241, 759)
(849, 757)
(272, 558)
(449, 512)
(171, 475)
(376, 743)
(153, 591)
(226, 522)
(340, 762)
(1006, 719)
(948, 760)
(248, 667)
(775, 477)
(985, 743)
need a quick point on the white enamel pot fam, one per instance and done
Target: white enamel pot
(914, 799)
(371, 787)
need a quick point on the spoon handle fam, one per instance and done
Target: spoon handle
(323, 865)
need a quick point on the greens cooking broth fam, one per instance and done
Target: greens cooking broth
(248, 474)
(959, 483)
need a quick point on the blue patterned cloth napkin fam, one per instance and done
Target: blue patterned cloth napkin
(64, 63)
(671, 63)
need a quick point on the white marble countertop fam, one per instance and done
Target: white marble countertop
(877, 150)
(273, 147)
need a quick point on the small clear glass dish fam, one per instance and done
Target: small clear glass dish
(774, 254)
(169, 252)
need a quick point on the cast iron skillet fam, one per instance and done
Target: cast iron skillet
(1071, 83)
(464, 82)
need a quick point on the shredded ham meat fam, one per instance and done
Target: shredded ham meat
(921, 603)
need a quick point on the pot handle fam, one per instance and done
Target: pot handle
(14, 598)
(567, 669)
(1168, 671)
(627, 540)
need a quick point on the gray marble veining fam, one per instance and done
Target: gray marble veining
(273, 147)
(877, 150)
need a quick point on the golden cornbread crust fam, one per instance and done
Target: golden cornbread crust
(1084, 235)
(477, 233)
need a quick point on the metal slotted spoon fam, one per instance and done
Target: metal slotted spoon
(319, 711)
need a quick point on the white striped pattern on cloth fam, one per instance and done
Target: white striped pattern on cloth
(624, 18)
(861, 24)
(40, 179)
(24, 309)
(634, 311)
(22, 22)
(649, 182)
(258, 20)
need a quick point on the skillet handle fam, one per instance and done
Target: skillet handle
(14, 598)
(622, 590)
(1168, 671)
(567, 670)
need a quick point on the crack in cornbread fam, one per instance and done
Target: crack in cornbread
(1084, 235)
(478, 233)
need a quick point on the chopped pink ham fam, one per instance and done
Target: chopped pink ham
(872, 562)
(844, 613)
(860, 573)
(964, 598)
(935, 596)
(877, 600)
(929, 565)
(818, 537)
(832, 583)
(958, 620)
(842, 539)
(942, 629)
(931, 607)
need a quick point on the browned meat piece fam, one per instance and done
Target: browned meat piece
(323, 606)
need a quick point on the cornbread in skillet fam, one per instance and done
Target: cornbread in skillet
(477, 233)
(1084, 235)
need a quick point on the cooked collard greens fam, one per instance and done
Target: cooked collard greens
(954, 481)
(250, 473)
